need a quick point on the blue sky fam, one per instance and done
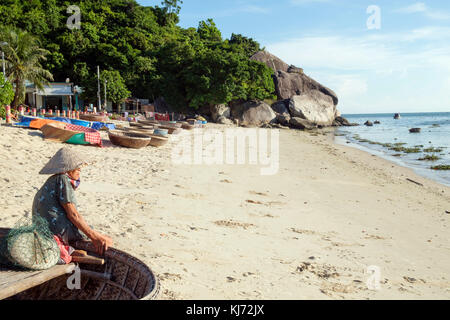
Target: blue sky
(404, 66)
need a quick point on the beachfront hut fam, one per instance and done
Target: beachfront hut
(56, 95)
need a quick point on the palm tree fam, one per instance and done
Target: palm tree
(23, 61)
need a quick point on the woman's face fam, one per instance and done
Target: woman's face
(74, 174)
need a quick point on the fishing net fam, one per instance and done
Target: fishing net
(29, 245)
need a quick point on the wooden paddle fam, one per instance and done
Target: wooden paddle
(81, 256)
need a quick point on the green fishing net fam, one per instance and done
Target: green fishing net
(29, 245)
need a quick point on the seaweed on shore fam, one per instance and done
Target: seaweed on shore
(406, 150)
(433, 150)
(429, 158)
(441, 167)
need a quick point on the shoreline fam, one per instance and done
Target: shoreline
(383, 155)
(226, 232)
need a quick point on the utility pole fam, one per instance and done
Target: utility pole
(106, 104)
(98, 89)
(3, 62)
(3, 59)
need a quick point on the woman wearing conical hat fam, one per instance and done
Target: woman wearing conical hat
(56, 202)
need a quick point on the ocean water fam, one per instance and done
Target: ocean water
(435, 133)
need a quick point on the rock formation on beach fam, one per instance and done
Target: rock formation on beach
(303, 103)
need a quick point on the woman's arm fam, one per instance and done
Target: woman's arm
(100, 241)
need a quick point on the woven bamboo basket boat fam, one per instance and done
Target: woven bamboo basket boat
(139, 125)
(187, 126)
(129, 139)
(149, 122)
(145, 132)
(142, 127)
(121, 277)
(171, 124)
(93, 118)
(158, 141)
(172, 130)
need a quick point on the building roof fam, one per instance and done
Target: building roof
(54, 89)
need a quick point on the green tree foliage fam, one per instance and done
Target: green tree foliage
(23, 57)
(6, 94)
(172, 6)
(116, 90)
(154, 57)
(6, 91)
(244, 45)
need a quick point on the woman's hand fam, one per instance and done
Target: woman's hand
(101, 243)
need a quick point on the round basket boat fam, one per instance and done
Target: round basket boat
(171, 124)
(146, 132)
(158, 141)
(140, 128)
(151, 121)
(187, 126)
(129, 139)
(93, 118)
(122, 277)
(171, 130)
(148, 122)
(161, 132)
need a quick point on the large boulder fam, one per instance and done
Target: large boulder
(284, 118)
(303, 124)
(290, 80)
(224, 120)
(313, 106)
(220, 110)
(281, 107)
(342, 122)
(288, 85)
(270, 60)
(253, 113)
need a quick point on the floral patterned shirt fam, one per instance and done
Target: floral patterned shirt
(48, 204)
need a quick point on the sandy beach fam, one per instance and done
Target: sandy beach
(227, 232)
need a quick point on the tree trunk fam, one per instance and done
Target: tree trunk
(16, 95)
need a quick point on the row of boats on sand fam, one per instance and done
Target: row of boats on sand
(86, 130)
(150, 132)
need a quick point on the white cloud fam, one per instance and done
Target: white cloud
(303, 2)
(421, 7)
(414, 8)
(376, 71)
(253, 9)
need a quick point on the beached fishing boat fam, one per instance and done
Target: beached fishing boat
(149, 122)
(128, 139)
(120, 277)
(161, 132)
(158, 141)
(171, 124)
(72, 134)
(144, 131)
(93, 117)
(187, 126)
(171, 129)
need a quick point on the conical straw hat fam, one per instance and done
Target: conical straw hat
(63, 161)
